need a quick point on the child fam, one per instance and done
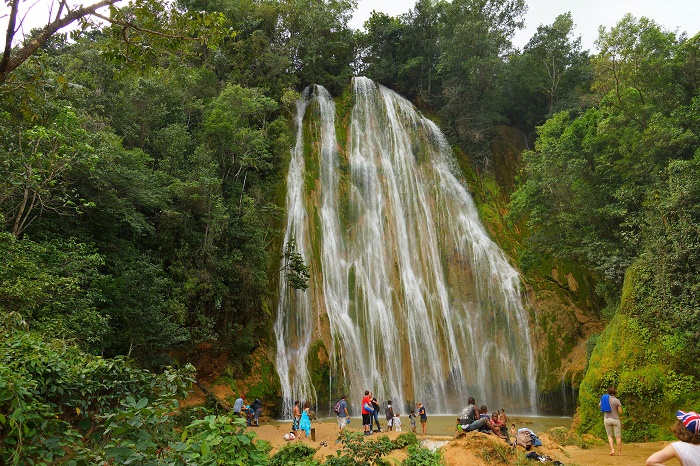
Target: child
(397, 423)
(495, 420)
(412, 418)
(502, 417)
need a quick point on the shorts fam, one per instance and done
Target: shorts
(295, 424)
(612, 427)
(342, 422)
(366, 419)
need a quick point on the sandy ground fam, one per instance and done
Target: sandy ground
(468, 448)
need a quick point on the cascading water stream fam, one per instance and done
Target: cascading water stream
(421, 305)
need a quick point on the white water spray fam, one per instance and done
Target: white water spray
(421, 305)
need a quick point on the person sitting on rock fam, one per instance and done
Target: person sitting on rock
(474, 421)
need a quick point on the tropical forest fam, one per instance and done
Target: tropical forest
(208, 200)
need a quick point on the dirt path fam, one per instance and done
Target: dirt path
(470, 449)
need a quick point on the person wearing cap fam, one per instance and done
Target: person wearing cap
(611, 419)
(238, 405)
(687, 451)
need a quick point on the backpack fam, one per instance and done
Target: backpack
(336, 409)
(468, 415)
(605, 403)
(524, 440)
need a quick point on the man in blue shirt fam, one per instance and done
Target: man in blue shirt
(342, 413)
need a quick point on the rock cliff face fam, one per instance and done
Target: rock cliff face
(563, 306)
(562, 309)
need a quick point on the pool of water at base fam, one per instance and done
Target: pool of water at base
(445, 424)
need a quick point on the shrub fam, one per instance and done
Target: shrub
(418, 456)
(295, 453)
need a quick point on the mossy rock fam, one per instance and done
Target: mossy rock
(266, 384)
(648, 381)
(320, 372)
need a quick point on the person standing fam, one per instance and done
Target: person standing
(305, 421)
(412, 420)
(612, 408)
(296, 419)
(375, 415)
(389, 413)
(342, 414)
(366, 412)
(238, 405)
(687, 451)
(423, 417)
(397, 423)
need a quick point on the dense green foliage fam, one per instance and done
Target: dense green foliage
(142, 172)
(614, 187)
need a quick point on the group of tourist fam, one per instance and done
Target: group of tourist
(370, 416)
(251, 412)
(686, 429)
(474, 418)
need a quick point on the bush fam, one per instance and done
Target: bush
(358, 452)
(418, 456)
(296, 454)
(405, 440)
(565, 437)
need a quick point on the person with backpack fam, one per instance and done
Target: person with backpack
(474, 418)
(341, 412)
(389, 413)
(612, 408)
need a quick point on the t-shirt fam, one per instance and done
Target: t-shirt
(614, 404)
(423, 416)
(342, 407)
(237, 405)
(688, 452)
(366, 400)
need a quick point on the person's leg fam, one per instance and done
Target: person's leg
(494, 429)
(618, 435)
(425, 429)
(609, 432)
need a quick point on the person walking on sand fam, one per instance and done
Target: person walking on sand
(612, 408)
(423, 417)
(342, 413)
(687, 451)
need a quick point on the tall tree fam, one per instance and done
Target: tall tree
(475, 37)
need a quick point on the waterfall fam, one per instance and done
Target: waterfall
(409, 295)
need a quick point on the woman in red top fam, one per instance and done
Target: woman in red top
(367, 413)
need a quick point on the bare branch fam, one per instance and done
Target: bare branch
(9, 62)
